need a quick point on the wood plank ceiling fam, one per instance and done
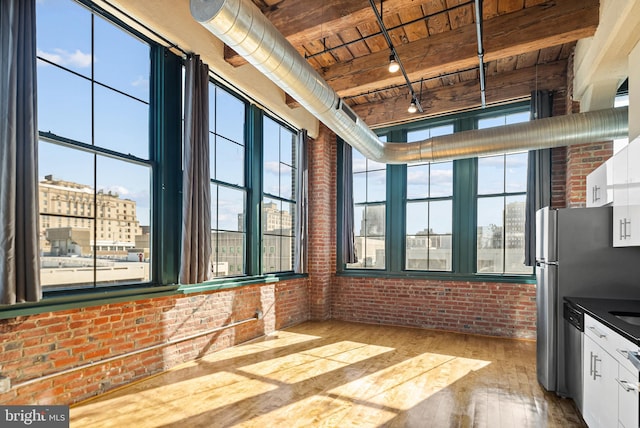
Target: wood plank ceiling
(527, 45)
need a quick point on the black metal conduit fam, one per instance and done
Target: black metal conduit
(414, 99)
(478, 4)
(391, 87)
(395, 27)
(257, 316)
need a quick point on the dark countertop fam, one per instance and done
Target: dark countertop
(600, 310)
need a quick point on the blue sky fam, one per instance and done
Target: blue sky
(64, 100)
(121, 122)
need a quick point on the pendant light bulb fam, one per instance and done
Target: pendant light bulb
(412, 107)
(393, 64)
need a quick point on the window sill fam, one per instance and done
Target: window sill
(227, 283)
(64, 300)
(439, 276)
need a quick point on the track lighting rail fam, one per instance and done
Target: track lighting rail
(414, 99)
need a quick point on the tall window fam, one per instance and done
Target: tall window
(279, 193)
(502, 186)
(228, 188)
(429, 214)
(94, 161)
(459, 219)
(369, 197)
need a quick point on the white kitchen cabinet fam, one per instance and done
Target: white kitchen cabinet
(627, 398)
(600, 185)
(610, 381)
(600, 400)
(620, 196)
(626, 196)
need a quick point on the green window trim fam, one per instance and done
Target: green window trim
(62, 301)
(165, 160)
(464, 209)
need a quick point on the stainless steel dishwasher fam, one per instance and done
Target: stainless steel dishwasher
(573, 333)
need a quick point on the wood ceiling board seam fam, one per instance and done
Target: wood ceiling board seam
(461, 16)
(449, 52)
(501, 88)
(417, 30)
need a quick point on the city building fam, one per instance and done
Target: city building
(66, 205)
(277, 243)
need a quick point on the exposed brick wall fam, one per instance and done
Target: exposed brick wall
(33, 346)
(559, 177)
(559, 157)
(496, 309)
(322, 222)
(477, 307)
(581, 160)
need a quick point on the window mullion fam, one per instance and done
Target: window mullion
(464, 216)
(254, 160)
(395, 225)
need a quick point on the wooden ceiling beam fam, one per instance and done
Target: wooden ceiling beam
(501, 88)
(548, 24)
(300, 22)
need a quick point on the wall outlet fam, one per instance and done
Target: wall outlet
(5, 384)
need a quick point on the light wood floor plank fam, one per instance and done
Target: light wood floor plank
(337, 374)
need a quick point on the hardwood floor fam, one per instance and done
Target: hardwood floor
(337, 374)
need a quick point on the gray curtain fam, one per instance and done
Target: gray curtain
(19, 253)
(195, 264)
(538, 177)
(347, 239)
(302, 205)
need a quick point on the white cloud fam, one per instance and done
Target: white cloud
(441, 175)
(140, 81)
(120, 190)
(359, 164)
(62, 57)
(417, 176)
(272, 167)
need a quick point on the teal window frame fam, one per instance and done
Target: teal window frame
(370, 202)
(277, 198)
(429, 199)
(165, 159)
(218, 183)
(465, 173)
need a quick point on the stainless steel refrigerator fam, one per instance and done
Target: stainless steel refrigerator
(575, 257)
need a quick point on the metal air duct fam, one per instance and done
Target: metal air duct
(241, 25)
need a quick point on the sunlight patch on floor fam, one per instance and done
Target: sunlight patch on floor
(315, 362)
(319, 411)
(427, 373)
(167, 404)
